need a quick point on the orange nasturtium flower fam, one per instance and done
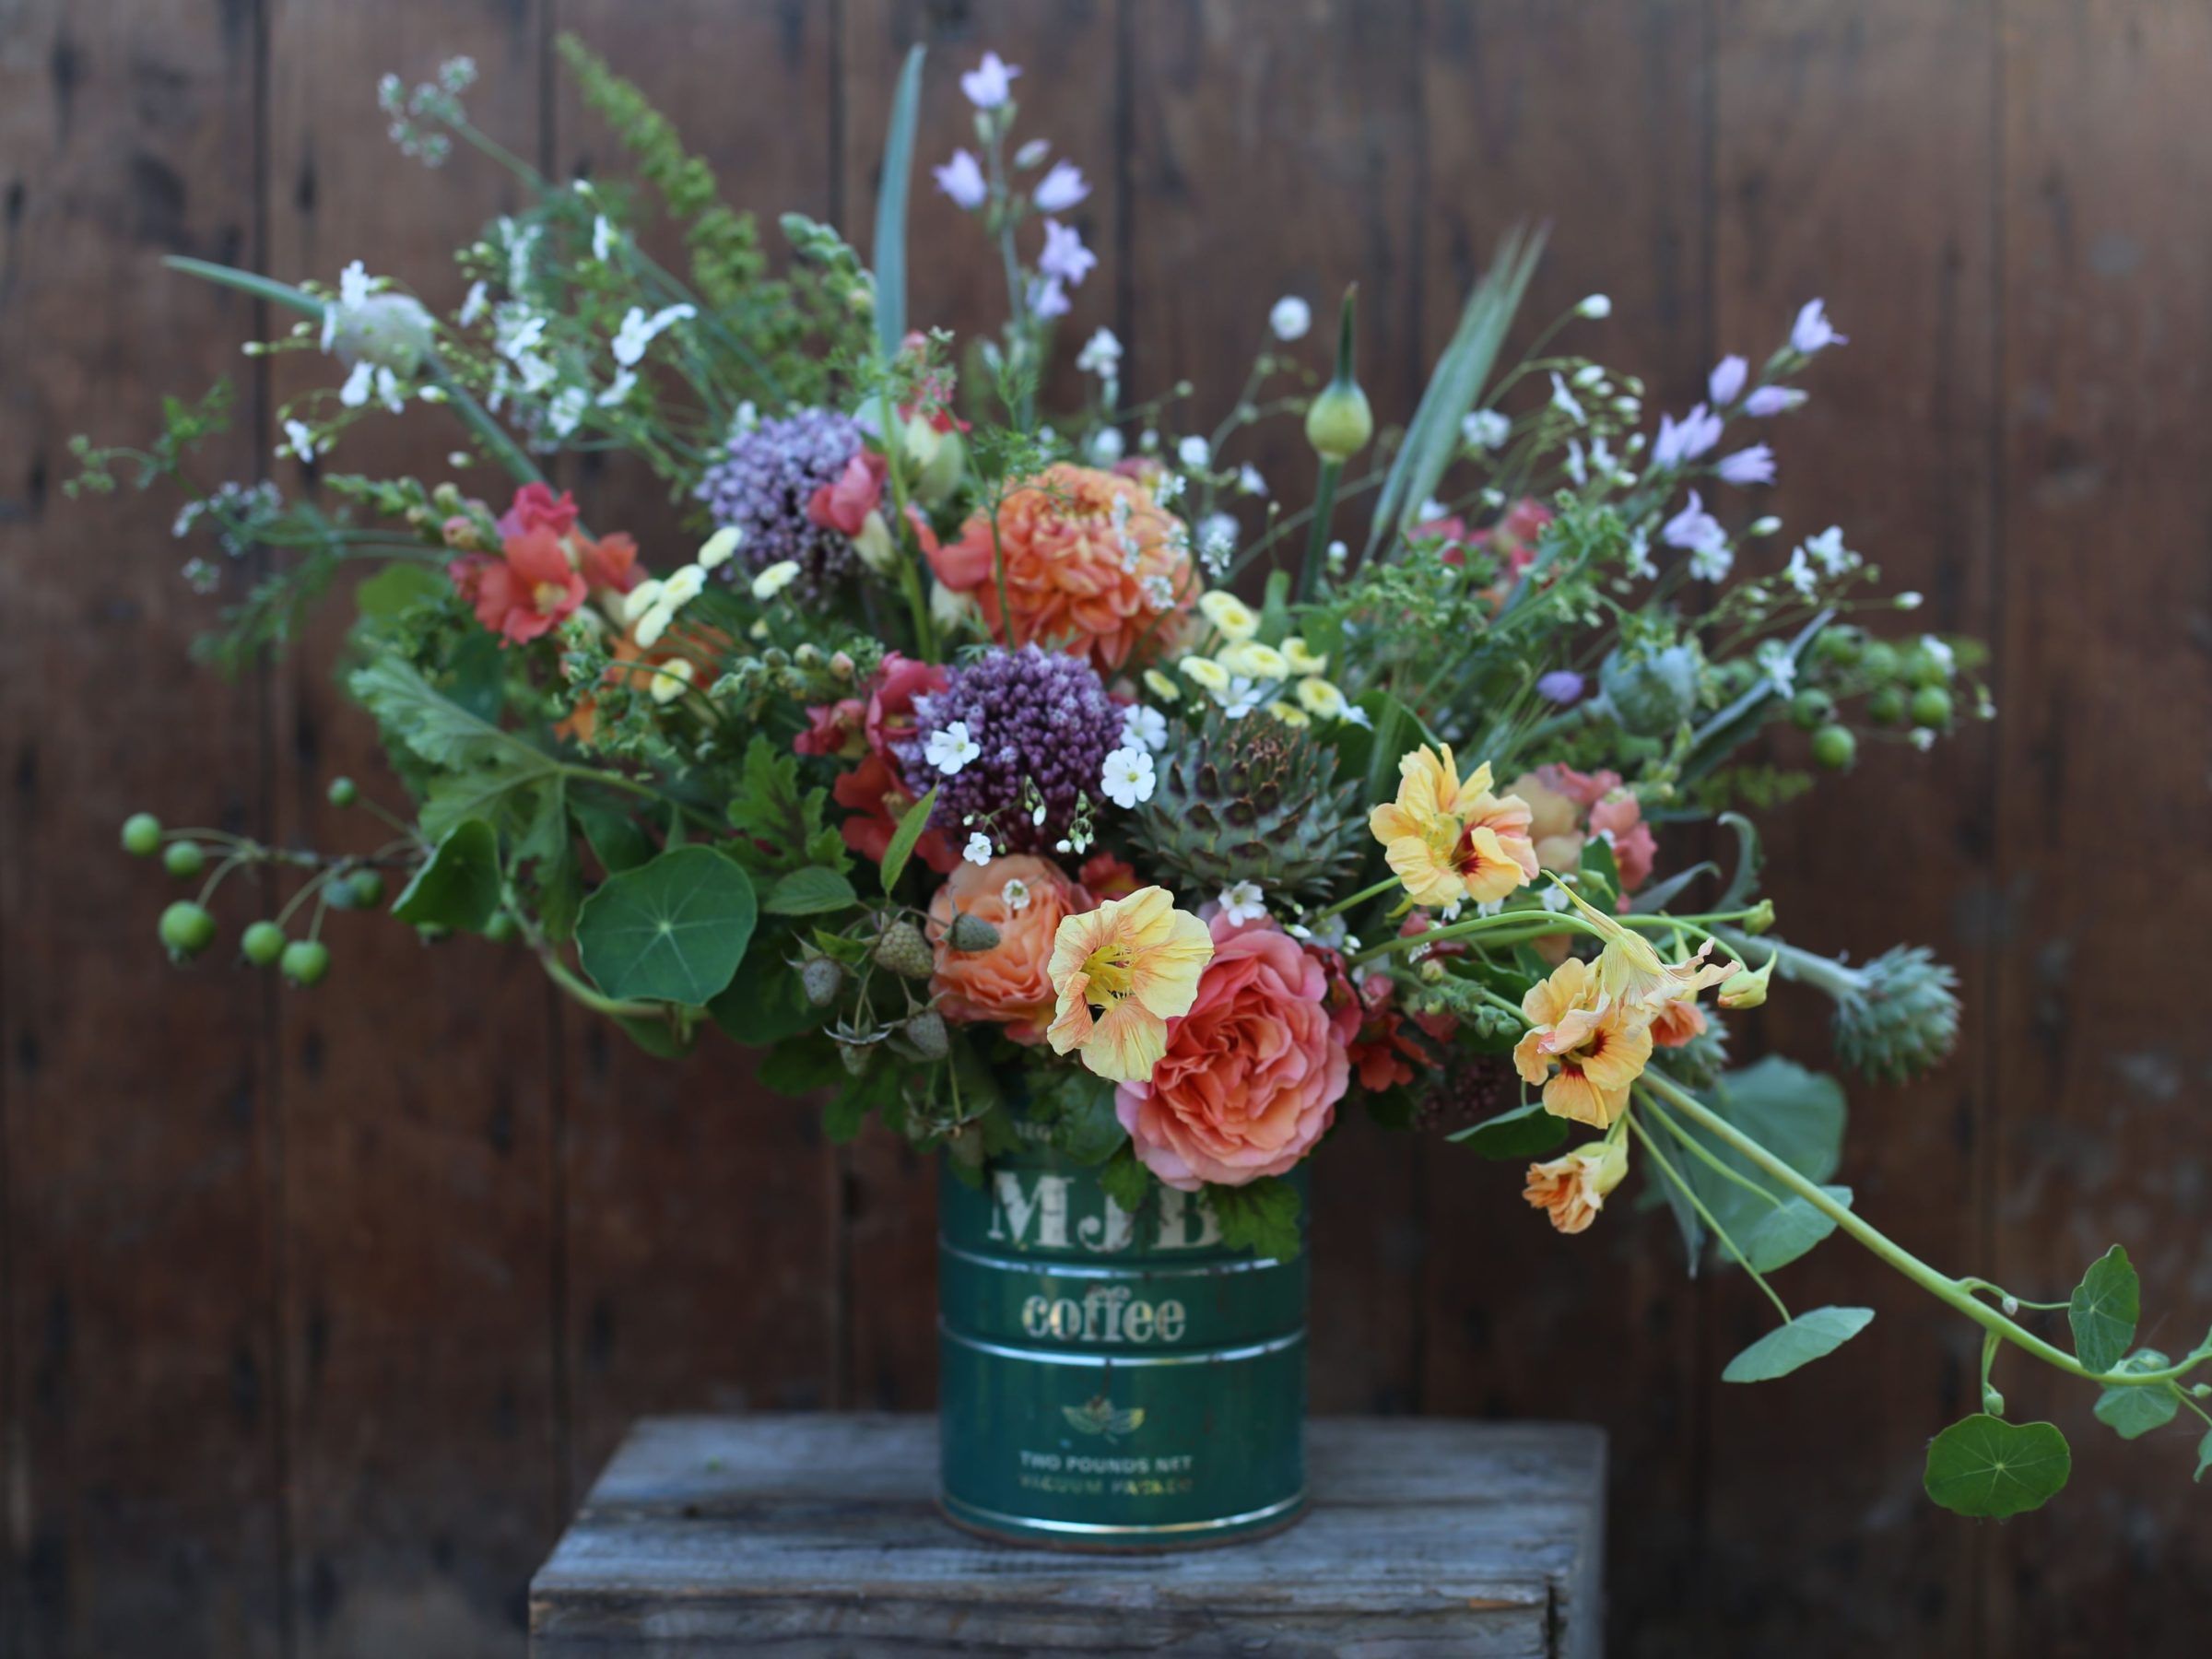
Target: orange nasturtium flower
(1121, 972)
(1599, 1044)
(1449, 838)
(1573, 1189)
(1630, 971)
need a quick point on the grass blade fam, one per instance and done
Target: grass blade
(891, 209)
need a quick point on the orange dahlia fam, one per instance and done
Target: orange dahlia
(1092, 563)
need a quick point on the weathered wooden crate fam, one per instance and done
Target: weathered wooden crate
(817, 1536)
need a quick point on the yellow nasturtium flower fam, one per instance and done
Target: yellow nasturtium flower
(1573, 1189)
(1121, 972)
(1631, 971)
(1448, 838)
(1599, 1045)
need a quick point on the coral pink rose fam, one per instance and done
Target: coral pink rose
(1026, 899)
(1634, 846)
(1252, 1072)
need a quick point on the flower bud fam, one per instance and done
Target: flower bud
(262, 944)
(183, 860)
(1992, 1402)
(305, 961)
(1746, 989)
(1339, 423)
(1761, 918)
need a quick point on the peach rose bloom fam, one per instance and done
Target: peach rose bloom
(1025, 898)
(1252, 1072)
(1554, 820)
(1092, 562)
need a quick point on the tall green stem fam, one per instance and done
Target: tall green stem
(1317, 535)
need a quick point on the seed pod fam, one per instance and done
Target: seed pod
(970, 933)
(902, 950)
(821, 979)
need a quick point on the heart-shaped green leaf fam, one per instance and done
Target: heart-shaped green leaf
(2204, 1456)
(1985, 1467)
(1781, 1236)
(2103, 1310)
(1805, 1338)
(809, 890)
(460, 885)
(2129, 1410)
(674, 929)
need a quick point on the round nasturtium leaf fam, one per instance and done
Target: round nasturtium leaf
(673, 929)
(1985, 1467)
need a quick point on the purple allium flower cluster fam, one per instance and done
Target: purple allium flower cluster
(763, 488)
(1041, 718)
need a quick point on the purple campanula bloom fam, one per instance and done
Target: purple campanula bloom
(990, 83)
(1772, 400)
(1726, 380)
(1753, 465)
(1560, 685)
(962, 179)
(1811, 331)
(1047, 298)
(1065, 256)
(1696, 433)
(1061, 188)
(1693, 529)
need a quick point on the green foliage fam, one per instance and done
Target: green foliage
(2133, 1409)
(1078, 1109)
(2103, 1310)
(458, 887)
(671, 930)
(1986, 1467)
(764, 1004)
(1527, 1131)
(2204, 1456)
(1125, 1180)
(1796, 1115)
(809, 890)
(1805, 1338)
(909, 831)
(779, 826)
(1781, 1236)
(891, 207)
(1262, 1217)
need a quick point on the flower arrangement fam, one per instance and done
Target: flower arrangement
(1014, 775)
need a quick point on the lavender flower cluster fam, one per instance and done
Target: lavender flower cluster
(763, 488)
(1044, 726)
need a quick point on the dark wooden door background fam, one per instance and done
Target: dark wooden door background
(320, 1309)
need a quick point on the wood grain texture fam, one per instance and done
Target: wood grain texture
(312, 1335)
(142, 1431)
(814, 1536)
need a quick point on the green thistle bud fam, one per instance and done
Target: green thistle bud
(970, 933)
(183, 860)
(1339, 424)
(186, 930)
(1900, 1016)
(142, 835)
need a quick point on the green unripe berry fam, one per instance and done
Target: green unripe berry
(142, 835)
(1932, 707)
(1926, 669)
(186, 929)
(1842, 646)
(367, 888)
(502, 929)
(1834, 748)
(1811, 709)
(1887, 706)
(343, 792)
(432, 933)
(1878, 661)
(262, 942)
(305, 961)
(183, 860)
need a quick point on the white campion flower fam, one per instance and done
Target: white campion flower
(1248, 480)
(301, 437)
(1241, 902)
(1779, 666)
(770, 583)
(1101, 355)
(619, 389)
(950, 749)
(1289, 318)
(718, 547)
(978, 850)
(1127, 778)
(1193, 451)
(1143, 727)
(1485, 430)
(638, 330)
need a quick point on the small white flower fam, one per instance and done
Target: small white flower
(1037, 813)
(1780, 666)
(1908, 601)
(565, 413)
(1430, 509)
(1107, 446)
(302, 440)
(1101, 355)
(1828, 551)
(1596, 305)
(1578, 467)
(718, 547)
(1249, 481)
(1169, 488)
(1241, 903)
(1712, 561)
(388, 392)
(1216, 536)
(1491, 907)
(978, 850)
(1194, 451)
(1290, 318)
(1338, 553)
(355, 391)
(617, 389)
(1015, 895)
(1640, 561)
(1923, 738)
(1486, 429)
(603, 239)
(474, 306)
(641, 599)
(1799, 573)
(770, 583)
(1563, 401)
(1127, 780)
(951, 748)
(1143, 728)
(638, 330)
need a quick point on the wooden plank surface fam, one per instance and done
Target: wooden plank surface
(819, 1535)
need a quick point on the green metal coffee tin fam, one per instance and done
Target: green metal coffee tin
(1108, 1382)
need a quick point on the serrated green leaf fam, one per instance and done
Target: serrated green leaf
(902, 839)
(1526, 1131)
(809, 890)
(1261, 1216)
(672, 930)
(779, 826)
(2129, 1410)
(459, 886)
(2103, 1311)
(1986, 1467)
(1805, 1338)
(1781, 1236)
